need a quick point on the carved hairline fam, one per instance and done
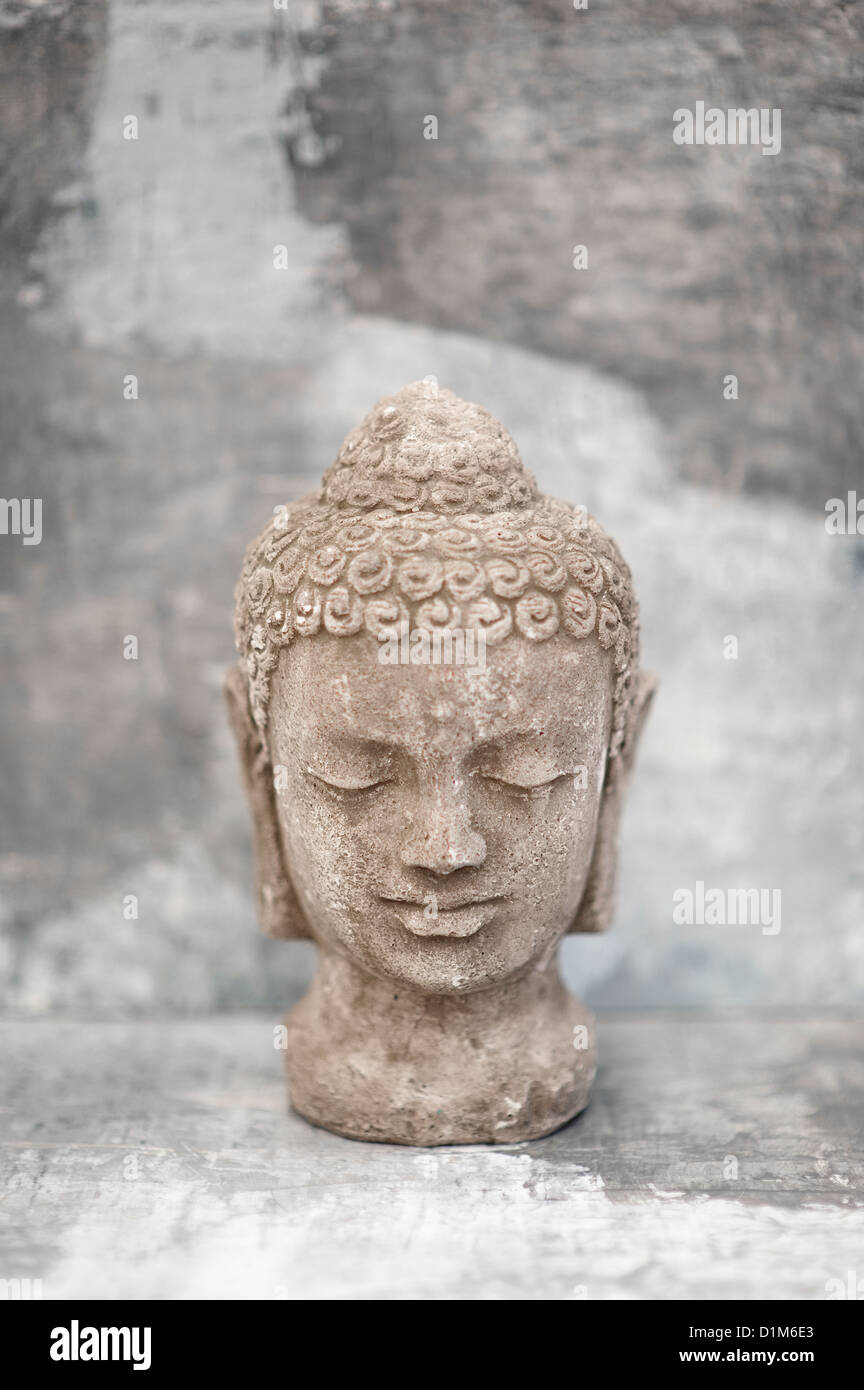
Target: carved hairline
(343, 575)
(429, 514)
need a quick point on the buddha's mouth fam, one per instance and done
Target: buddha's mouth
(429, 918)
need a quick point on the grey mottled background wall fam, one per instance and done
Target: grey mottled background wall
(406, 256)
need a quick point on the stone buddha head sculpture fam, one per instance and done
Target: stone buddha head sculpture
(434, 821)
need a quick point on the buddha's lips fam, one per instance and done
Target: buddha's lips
(458, 919)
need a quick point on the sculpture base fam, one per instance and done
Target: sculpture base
(494, 1067)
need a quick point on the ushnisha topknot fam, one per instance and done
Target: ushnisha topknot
(428, 514)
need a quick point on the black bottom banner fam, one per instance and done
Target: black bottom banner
(159, 1339)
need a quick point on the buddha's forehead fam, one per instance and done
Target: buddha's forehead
(330, 687)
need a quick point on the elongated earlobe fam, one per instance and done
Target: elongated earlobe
(598, 900)
(279, 911)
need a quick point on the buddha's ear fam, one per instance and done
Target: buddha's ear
(598, 900)
(279, 911)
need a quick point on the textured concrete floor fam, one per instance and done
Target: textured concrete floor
(720, 1158)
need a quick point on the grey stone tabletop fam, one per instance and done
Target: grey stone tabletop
(720, 1158)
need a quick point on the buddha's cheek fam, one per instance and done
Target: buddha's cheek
(541, 864)
(338, 863)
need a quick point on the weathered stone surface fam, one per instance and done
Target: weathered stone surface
(718, 1159)
(436, 825)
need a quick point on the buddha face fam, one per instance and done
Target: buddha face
(438, 822)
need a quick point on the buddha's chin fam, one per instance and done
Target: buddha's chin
(482, 954)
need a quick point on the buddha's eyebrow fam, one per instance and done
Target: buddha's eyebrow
(341, 741)
(514, 738)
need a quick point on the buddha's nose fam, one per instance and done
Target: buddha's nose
(441, 837)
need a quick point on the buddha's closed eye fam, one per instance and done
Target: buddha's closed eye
(347, 785)
(524, 782)
(518, 787)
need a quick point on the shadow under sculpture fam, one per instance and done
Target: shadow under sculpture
(436, 826)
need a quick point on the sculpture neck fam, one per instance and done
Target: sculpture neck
(362, 995)
(375, 1059)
